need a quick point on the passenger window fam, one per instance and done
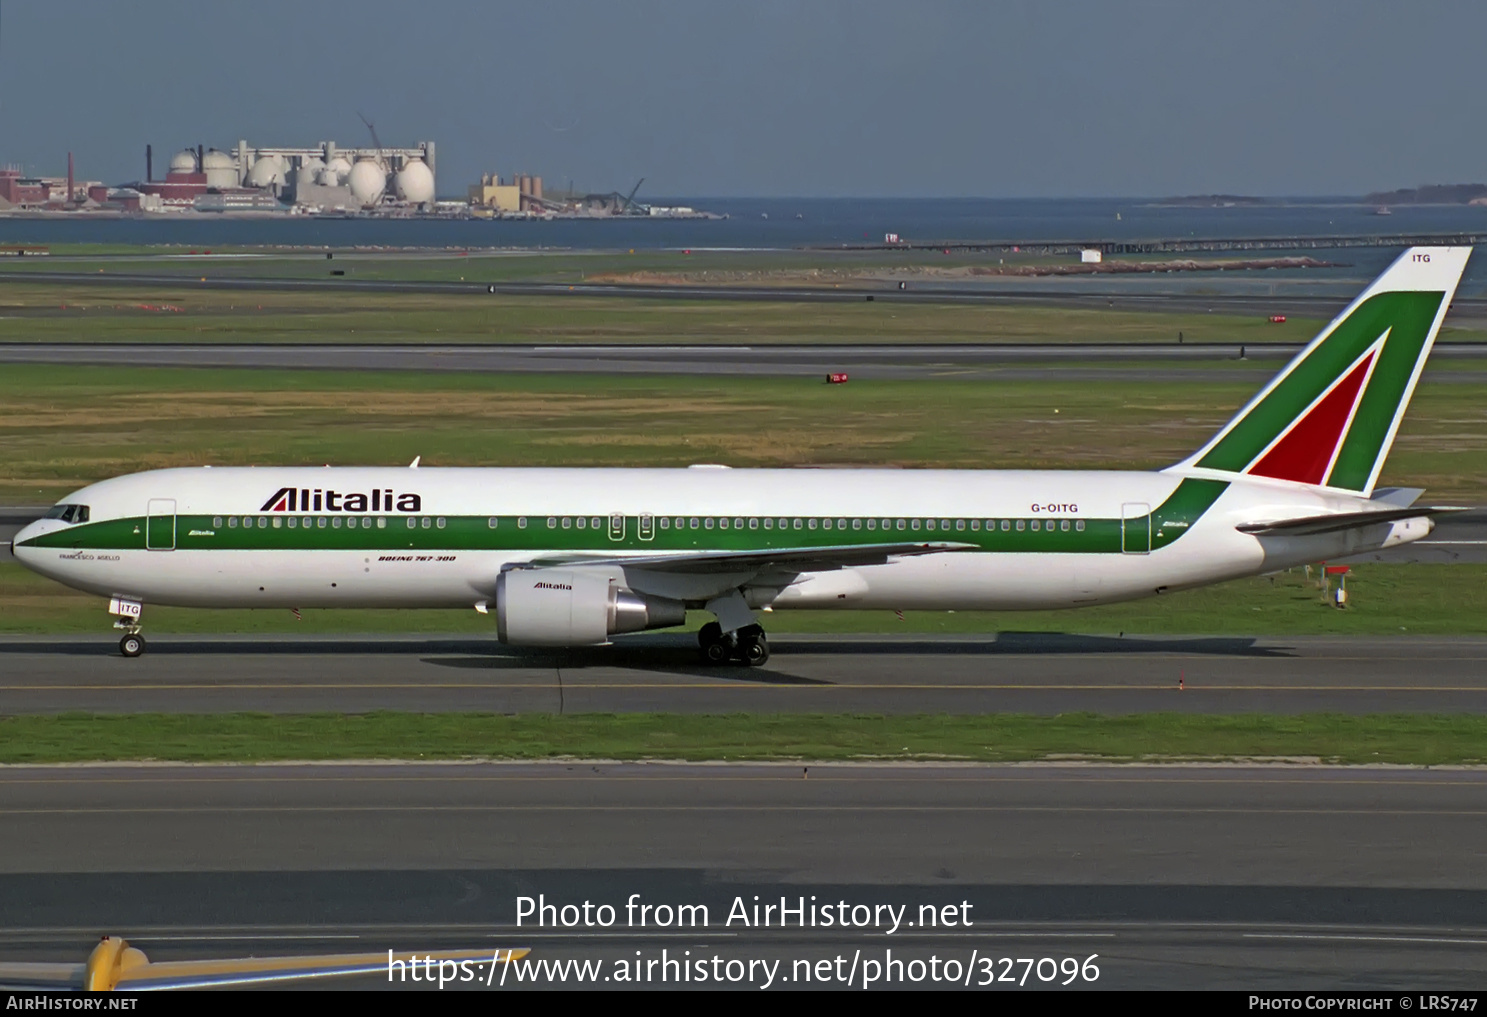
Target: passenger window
(424, 522)
(262, 521)
(320, 522)
(441, 522)
(738, 524)
(753, 524)
(929, 524)
(232, 522)
(913, 524)
(826, 524)
(412, 523)
(1079, 525)
(381, 522)
(811, 524)
(722, 524)
(665, 523)
(292, 522)
(336, 522)
(521, 522)
(217, 522)
(567, 523)
(1063, 524)
(552, 522)
(944, 524)
(694, 522)
(1037, 525)
(769, 524)
(278, 522)
(307, 522)
(902, 524)
(857, 524)
(798, 524)
(872, 524)
(1021, 525)
(707, 523)
(596, 523)
(976, 524)
(490, 523)
(681, 524)
(1005, 525)
(583, 522)
(960, 524)
(841, 524)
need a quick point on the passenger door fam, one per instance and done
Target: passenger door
(1135, 527)
(160, 524)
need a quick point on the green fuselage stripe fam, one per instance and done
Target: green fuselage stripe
(391, 534)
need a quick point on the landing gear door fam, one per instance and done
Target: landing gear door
(1135, 527)
(160, 524)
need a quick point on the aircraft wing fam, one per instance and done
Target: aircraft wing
(1306, 526)
(809, 559)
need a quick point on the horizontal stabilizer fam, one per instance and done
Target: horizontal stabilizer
(807, 559)
(1307, 526)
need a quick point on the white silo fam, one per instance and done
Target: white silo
(268, 171)
(309, 171)
(183, 161)
(221, 169)
(415, 183)
(368, 181)
(337, 171)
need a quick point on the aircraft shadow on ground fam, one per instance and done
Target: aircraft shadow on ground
(655, 660)
(668, 650)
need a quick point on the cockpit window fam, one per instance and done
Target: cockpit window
(69, 513)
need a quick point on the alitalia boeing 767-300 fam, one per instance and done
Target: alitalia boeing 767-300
(571, 557)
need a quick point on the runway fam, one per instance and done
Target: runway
(1056, 293)
(1176, 877)
(878, 674)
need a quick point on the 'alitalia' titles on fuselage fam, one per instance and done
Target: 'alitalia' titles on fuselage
(315, 499)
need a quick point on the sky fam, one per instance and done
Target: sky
(808, 98)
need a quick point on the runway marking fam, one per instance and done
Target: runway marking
(813, 809)
(1365, 939)
(787, 774)
(740, 685)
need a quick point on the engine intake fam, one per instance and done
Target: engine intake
(564, 607)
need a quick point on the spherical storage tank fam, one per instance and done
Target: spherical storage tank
(268, 171)
(368, 180)
(337, 172)
(309, 171)
(415, 182)
(221, 169)
(183, 162)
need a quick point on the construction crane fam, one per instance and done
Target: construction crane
(376, 143)
(630, 198)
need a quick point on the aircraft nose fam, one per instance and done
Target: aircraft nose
(25, 533)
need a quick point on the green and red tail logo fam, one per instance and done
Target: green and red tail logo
(1329, 418)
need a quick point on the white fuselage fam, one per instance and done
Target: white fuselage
(1100, 537)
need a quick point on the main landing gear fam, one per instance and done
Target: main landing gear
(747, 645)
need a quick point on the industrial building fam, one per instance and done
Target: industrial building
(325, 178)
(522, 194)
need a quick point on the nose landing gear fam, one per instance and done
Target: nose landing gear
(126, 616)
(747, 645)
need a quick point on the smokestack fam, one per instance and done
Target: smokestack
(149, 164)
(70, 191)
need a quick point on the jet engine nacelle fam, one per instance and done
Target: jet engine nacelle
(562, 607)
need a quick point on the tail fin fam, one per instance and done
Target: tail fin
(1329, 417)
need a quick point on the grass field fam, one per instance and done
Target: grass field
(1397, 739)
(64, 427)
(69, 312)
(1406, 599)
